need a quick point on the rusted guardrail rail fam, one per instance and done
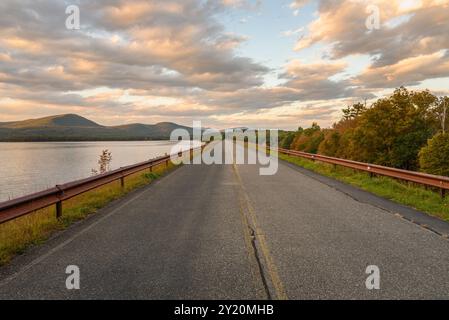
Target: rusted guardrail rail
(440, 182)
(16, 208)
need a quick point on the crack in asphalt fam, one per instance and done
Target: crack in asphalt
(268, 271)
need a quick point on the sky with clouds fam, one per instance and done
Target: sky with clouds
(228, 63)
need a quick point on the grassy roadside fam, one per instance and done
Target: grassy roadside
(412, 195)
(17, 235)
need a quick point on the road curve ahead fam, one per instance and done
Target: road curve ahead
(225, 232)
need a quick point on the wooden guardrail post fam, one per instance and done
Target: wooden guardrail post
(443, 193)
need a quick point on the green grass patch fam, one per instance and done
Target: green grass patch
(409, 194)
(17, 235)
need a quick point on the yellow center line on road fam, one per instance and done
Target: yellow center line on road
(260, 237)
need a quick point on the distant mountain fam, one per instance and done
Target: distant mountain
(72, 127)
(65, 120)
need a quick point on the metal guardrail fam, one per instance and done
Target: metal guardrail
(16, 208)
(440, 182)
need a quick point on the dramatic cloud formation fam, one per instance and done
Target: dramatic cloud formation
(166, 60)
(423, 29)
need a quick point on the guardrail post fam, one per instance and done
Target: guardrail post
(59, 203)
(122, 182)
(58, 209)
(166, 161)
(443, 193)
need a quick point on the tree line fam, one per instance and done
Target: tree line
(407, 130)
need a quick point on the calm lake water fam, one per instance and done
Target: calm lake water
(34, 166)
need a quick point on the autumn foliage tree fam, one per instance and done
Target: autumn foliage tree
(286, 138)
(330, 144)
(308, 140)
(390, 132)
(394, 129)
(434, 157)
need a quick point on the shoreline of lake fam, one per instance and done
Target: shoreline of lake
(29, 167)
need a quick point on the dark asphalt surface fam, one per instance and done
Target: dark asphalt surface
(225, 232)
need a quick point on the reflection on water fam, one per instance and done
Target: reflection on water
(33, 166)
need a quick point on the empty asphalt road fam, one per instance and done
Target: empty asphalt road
(225, 232)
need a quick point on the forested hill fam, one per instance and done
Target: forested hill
(72, 127)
